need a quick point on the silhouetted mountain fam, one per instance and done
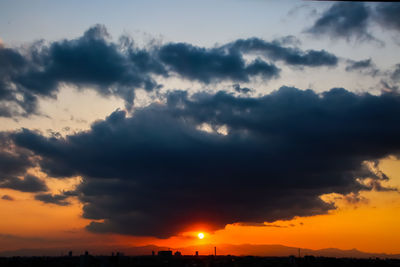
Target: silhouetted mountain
(208, 249)
(280, 250)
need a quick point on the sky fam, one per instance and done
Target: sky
(130, 123)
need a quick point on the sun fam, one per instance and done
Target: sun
(200, 235)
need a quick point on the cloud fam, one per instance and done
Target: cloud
(13, 101)
(366, 67)
(58, 199)
(344, 20)
(29, 183)
(94, 62)
(227, 62)
(157, 174)
(392, 81)
(395, 76)
(88, 61)
(207, 65)
(354, 198)
(351, 20)
(356, 65)
(260, 225)
(7, 197)
(290, 55)
(14, 163)
(241, 90)
(387, 14)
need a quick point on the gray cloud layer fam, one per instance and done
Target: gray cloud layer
(157, 174)
(366, 67)
(289, 55)
(14, 163)
(93, 61)
(350, 20)
(59, 199)
(29, 183)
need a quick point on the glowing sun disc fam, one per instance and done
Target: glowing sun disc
(201, 235)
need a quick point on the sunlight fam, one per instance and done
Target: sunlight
(200, 235)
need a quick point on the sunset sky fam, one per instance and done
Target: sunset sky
(130, 123)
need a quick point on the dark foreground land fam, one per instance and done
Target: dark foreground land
(200, 261)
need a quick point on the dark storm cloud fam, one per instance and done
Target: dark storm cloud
(344, 20)
(207, 65)
(12, 101)
(156, 173)
(387, 15)
(58, 199)
(290, 55)
(93, 61)
(88, 61)
(14, 162)
(227, 62)
(29, 183)
(366, 67)
(351, 20)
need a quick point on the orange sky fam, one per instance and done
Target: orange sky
(370, 225)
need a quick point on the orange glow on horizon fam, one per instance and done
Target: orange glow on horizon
(370, 226)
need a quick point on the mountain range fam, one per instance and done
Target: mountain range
(207, 249)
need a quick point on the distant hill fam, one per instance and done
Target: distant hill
(222, 249)
(280, 250)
